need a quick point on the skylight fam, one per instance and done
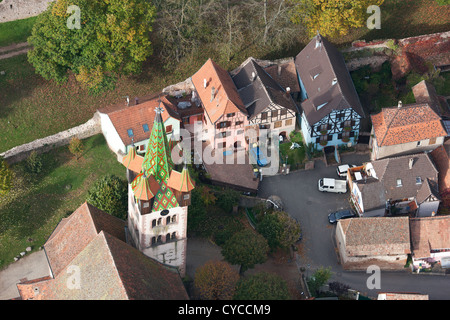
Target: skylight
(145, 127)
(418, 180)
(399, 182)
(130, 133)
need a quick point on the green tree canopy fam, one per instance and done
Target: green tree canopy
(331, 17)
(318, 279)
(245, 248)
(110, 195)
(216, 280)
(262, 286)
(113, 39)
(280, 230)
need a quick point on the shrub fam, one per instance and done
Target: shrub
(76, 147)
(110, 195)
(216, 280)
(262, 286)
(228, 199)
(34, 162)
(5, 177)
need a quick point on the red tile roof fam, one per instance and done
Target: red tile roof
(76, 231)
(181, 181)
(409, 123)
(285, 74)
(226, 97)
(429, 233)
(441, 158)
(134, 117)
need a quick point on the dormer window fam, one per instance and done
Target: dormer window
(130, 132)
(399, 183)
(321, 105)
(418, 180)
(145, 127)
(334, 82)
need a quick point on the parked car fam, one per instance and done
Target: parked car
(342, 169)
(334, 217)
(332, 185)
(256, 153)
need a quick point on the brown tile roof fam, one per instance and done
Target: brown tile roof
(425, 92)
(110, 269)
(429, 233)
(135, 116)
(180, 181)
(226, 98)
(76, 231)
(376, 236)
(331, 64)
(285, 74)
(441, 158)
(408, 123)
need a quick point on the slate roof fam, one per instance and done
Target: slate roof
(408, 123)
(376, 236)
(73, 233)
(226, 98)
(259, 92)
(329, 63)
(375, 191)
(110, 269)
(429, 233)
(135, 116)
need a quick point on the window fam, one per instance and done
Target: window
(174, 217)
(283, 112)
(264, 126)
(240, 132)
(141, 147)
(223, 124)
(174, 235)
(145, 127)
(159, 221)
(130, 133)
(418, 180)
(159, 239)
(200, 118)
(167, 237)
(399, 182)
(419, 143)
(153, 240)
(230, 115)
(154, 223)
(186, 120)
(274, 113)
(288, 122)
(169, 129)
(238, 123)
(278, 124)
(223, 134)
(223, 145)
(432, 141)
(321, 105)
(264, 116)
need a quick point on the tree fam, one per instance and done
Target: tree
(262, 286)
(331, 17)
(34, 162)
(76, 147)
(318, 279)
(5, 177)
(280, 230)
(228, 199)
(246, 249)
(113, 39)
(216, 280)
(109, 194)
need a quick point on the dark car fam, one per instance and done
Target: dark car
(341, 214)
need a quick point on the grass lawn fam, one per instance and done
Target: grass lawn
(295, 157)
(37, 203)
(16, 31)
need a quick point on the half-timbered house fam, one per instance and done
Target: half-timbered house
(269, 106)
(331, 110)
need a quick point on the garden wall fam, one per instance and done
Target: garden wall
(86, 130)
(11, 10)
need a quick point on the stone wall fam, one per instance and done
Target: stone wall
(86, 130)
(11, 10)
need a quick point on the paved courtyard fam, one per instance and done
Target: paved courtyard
(310, 207)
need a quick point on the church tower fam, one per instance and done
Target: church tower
(158, 199)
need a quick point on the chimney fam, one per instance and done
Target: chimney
(212, 94)
(279, 70)
(411, 162)
(136, 100)
(318, 40)
(400, 104)
(253, 76)
(204, 83)
(288, 89)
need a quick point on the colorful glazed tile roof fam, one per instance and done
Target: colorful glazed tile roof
(129, 157)
(144, 188)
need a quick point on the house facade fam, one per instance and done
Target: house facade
(330, 108)
(395, 186)
(405, 129)
(384, 242)
(269, 106)
(225, 116)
